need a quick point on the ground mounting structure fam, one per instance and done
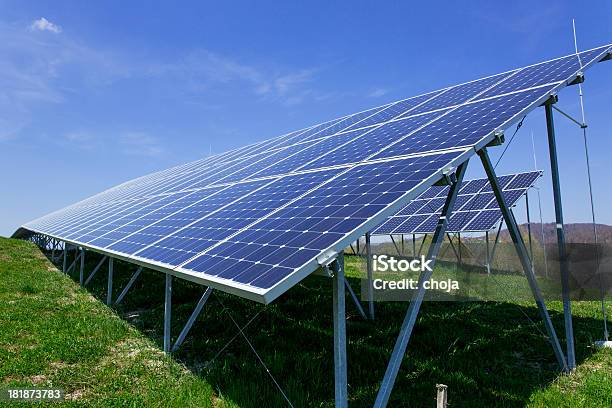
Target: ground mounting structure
(256, 220)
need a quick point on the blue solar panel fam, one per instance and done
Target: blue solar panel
(475, 197)
(256, 220)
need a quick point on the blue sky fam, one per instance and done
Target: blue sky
(95, 93)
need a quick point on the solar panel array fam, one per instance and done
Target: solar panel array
(256, 220)
(475, 207)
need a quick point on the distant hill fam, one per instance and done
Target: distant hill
(578, 233)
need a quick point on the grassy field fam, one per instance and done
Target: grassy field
(489, 354)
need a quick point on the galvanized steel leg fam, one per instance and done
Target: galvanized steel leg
(192, 319)
(109, 289)
(522, 253)
(339, 309)
(565, 289)
(65, 257)
(82, 266)
(370, 274)
(488, 258)
(529, 229)
(395, 245)
(167, 312)
(129, 285)
(410, 319)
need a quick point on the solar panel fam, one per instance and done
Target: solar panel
(475, 208)
(256, 220)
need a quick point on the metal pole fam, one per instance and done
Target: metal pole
(192, 318)
(82, 266)
(413, 245)
(401, 344)
(339, 310)
(167, 312)
(370, 274)
(91, 275)
(109, 290)
(565, 289)
(395, 245)
(488, 259)
(403, 245)
(529, 229)
(65, 257)
(459, 247)
(519, 244)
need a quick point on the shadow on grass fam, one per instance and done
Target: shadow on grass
(489, 354)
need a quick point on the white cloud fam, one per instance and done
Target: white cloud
(42, 24)
(377, 92)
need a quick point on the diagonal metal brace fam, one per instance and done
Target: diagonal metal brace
(523, 256)
(192, 319)
(403, 338)
(91, 275)
(129, 285)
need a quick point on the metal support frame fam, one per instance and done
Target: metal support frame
(565, 289)
(98, 266)
(355, 299)
(414, 245)
(529, 229)
(488, 258)
(339, 311)
(192, 319)
(82, 270)
(459, 248)
(109, 289)
(167, 312)
(519, 244)
(450, 240)
(370, 274)
(65, 257)
(403, 338)
(422, 243)
(77, 256)
(128, 285)
(395, 245)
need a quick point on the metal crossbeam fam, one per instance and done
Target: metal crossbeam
(403, 338)
(129, 285)
(554, 171)
(523, 256)
(192, 318)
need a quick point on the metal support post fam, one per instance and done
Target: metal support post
(459, 248)
(82, 270)
(65, 257)
(519, 244)
(422, 243)
(129, 285)
(109, 289)
(450, 240)
(567, 306)
(488, 259)
(339, 310)
(403, 245)
(529, 229)
(401, 344)
(370, 273)
(167, 312)
(414, 245)
(192, 319)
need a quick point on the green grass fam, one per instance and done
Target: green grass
(488, 353)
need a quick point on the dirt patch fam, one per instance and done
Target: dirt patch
(74, 395)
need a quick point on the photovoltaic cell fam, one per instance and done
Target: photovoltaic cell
(474, 197)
